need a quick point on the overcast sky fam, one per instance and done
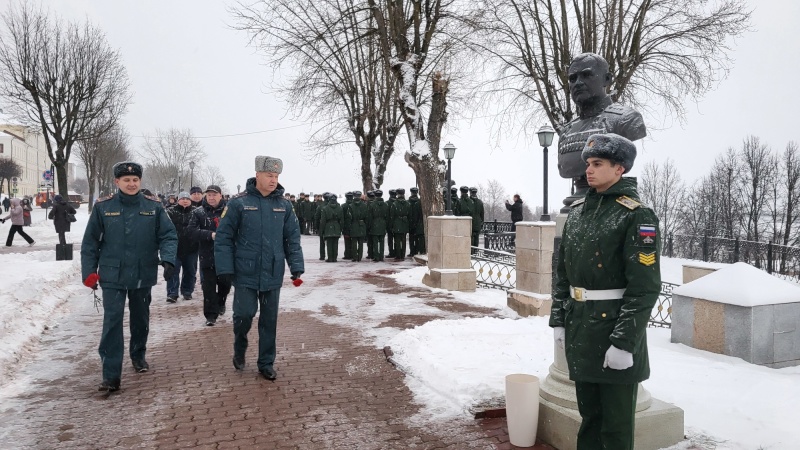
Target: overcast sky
(188, 69)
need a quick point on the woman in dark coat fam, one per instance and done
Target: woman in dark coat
(516, 211)
(60, 216)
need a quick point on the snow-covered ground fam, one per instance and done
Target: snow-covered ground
(452, 362)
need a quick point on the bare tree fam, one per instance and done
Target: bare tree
(213, 175)
(99, 154)
(168, 153)
(758, 170)
(339, 82)
(8, 170)
(494, 197)
(662, 188)
(62, 77)
(659, 51)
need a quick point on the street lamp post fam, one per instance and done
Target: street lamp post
(238, 188)
(545, 133)
(191, 178)
(449, 153)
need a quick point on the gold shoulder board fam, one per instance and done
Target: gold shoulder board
(628, 202)
(578, 202)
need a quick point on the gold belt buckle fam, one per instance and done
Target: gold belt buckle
(578, 294)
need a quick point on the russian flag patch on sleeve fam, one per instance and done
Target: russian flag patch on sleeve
(647, 235)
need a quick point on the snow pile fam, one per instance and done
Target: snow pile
(741, 284)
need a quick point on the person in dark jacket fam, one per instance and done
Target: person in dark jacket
(196, 194)
(60, 217)
(606, 282)
(478, 217)
(257, 232)
(17, 221)
(399, 214)
(356, 220)
(516, 211)
(185, 275)
(378, 217)
(7, 203)
(330, 224)
(120, 250)
(203, 229)
(416, 228)
(348, 248)
(317, 216)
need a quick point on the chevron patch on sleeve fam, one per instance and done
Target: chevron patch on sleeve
(647, 259)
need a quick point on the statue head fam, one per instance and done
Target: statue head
(589, 78)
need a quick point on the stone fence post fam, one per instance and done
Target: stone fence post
(534, 249)
(449, 262)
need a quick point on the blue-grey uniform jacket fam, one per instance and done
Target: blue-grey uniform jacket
(255, 235)
(124, 237)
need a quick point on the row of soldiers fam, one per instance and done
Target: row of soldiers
(368, 218)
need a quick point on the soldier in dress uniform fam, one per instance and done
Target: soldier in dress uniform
(348, 249)
(128, 235)
(389, 235)
(478, 217)
(607, 281)
(378, 217)
(399, 214)
(416, 224)
(370, 199)
(330, 224)
(356, 220)
(454, 204)
(317, 216)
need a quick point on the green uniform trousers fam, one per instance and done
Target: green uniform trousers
(246, 302)
(112, 345)
(608, 415)
(333, 248)
(399, 245)
(377, 247)
(321, 247)
(356, 247)
(348, 248)
(370, 251)
(475, 238)
(420, 247)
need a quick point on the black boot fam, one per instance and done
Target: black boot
(238, 362)
(140, 365)
(268, 373)
(109, 385)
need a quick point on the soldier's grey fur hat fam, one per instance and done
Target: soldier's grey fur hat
(127, 168)
(268, 164)
(414, 190)
(377, 193)
(473, 189)
(464, 189)
(400, 191)
(612, 147)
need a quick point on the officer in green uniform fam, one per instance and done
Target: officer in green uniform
(330, 224)
(477, 217)
(454, 203)
(258, 235)
(299, 210)
(317, 215)
(416, 237)
(378, 216)
(356, 219)
(348, 248)
(466, 207)
(606, 283)
(389, 236)
(308, 215)
(312, 229)
(128, 235)
(399, 214)
(370, 200)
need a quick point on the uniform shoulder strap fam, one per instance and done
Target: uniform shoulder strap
(628, 202)
(578, 202)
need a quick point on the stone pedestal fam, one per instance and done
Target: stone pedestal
(449, 265)
(534, 250)
(740, 311)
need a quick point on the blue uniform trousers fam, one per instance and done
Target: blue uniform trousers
(112, 345)
(246, 302)
(185, 281)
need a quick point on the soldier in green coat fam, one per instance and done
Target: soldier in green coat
(416, 237)
(477, 217)
(330, 225)
(389, 235)
(454, 203)
(378, 216)
(399, 214)
(356, 220)
(317, 216)
(348, 249)
(308, 215)
(370, 200)
(128, 235)
(606, 283)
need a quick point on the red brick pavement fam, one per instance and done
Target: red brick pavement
(333, 392)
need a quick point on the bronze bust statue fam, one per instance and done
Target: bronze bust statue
(589, 79)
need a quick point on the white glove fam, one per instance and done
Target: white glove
(618, 359)
(559, 333)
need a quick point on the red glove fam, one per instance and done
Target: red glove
(92, 280)
(297, 282)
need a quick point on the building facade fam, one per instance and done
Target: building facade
(27, 148)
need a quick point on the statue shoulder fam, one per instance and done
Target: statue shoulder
(619, 109)
(625, 121)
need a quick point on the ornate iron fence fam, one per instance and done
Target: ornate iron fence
(496, 227)
(779, 260)
(661, 317)
(494, 269)
(501, 242)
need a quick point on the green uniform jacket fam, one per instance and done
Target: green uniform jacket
(330, 220)
(466, 207)
(399, 214)
(299, 209)
(378, 215)
(256, 234)
(417, 219)
(123, 239)
(478, 215)
(308, 210)
(345, 212)
(356, 219)
(317, 215)
(610, 241)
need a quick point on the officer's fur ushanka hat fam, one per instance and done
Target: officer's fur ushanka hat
(612, 147)
(127, 168)
(268, 164)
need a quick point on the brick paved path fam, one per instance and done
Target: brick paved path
(334, 391)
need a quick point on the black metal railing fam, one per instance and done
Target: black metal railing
(661, 317)
(501, 242)
(494, 269)
(496, 227)
(779, 260)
